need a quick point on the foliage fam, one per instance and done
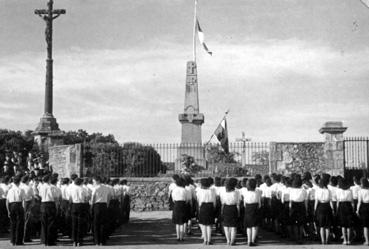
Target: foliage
(81, 136)
(261, 157)
(189, 165)
(140, 160)
(229, 169)
(216, 155)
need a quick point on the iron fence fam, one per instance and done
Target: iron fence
(151, 160)
(356, 151)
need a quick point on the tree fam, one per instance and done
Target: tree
(216, 155)
(189, 165)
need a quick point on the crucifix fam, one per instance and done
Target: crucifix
(48, 15)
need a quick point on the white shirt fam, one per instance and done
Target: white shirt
(64, 191)
(100, 194)
(5, 189)
(171, 187)
(27, 190)
(78, 194)
(126, 189)
(286, 194)
(250, 197)
(230, 198)
(355, 191)
(49, 192)
(267, 192)
(363, 195)
(276, 189)
(179, 194)
(344, 195)
(206, 196)
(15, 194)
(333, 192)
(298, 195)
(323, 195)
(311, 194)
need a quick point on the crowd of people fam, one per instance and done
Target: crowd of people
(40, 204)
(330, 209)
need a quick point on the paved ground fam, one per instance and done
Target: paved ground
(153, 230)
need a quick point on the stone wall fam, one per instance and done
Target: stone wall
(66, 159)
(149, 194)
(286, 158)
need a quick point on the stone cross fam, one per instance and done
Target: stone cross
(48, 15)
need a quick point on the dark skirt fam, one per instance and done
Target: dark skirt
(275, 208)
(230, 215)
(252, 217)
(310, 211)
(188, 211)
(266, 209)
(324, 216)
(285, 214)
(206, 214)
(179, 215)
(298, 213)
(345, 214)
(364, 214)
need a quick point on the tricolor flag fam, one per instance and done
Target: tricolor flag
(365, 2)
(222, 134)
(201, 36)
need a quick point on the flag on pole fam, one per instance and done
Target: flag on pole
(365, 2)
(202, 37)
(222, 134)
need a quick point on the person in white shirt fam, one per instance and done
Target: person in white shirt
(230, 200)
(29, 195)
(355, 190)
(78, 197)
(100, 197)
(323, 208)
(362, 209)
(285, 213)
(206, 199)
(65, 215)
(172, 185)
(4, 219)
(252, 202)
(345, 209)
(50, 196)
(126, 201)
(15, 206)
(191, 207)
(267, 202)
(298, 207)
(180, 215)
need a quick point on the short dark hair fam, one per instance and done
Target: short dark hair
(180, 182)
(218, 181)
(343, 183)
(244, 182)
(333, 181)
(123, 182)
(65, 181)
(73, 176)
(16, 180)
(205, 183)
(97, 178)
(46, 178)
(364, 183)
(175, 177)
(251, 184)
(297, 182)
(231, 184)
(78, 181)
(211, 180)
(25, 179)
(323, 182)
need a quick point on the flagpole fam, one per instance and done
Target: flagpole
(194, 31)
(225, 116)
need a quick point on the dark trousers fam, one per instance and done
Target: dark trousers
(27, 223)
(99, 223)
(65, 224)
(78, 222)
(48, 229)
(4, 219)
(16, 223)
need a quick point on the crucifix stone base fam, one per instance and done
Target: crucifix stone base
(48, 134)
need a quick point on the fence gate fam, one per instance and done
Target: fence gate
(356, 154)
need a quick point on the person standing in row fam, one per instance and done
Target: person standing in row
(15, 204)
(99, 201)
(4, 218)
(345, 211)
(230, 210)
(78, 198)
(252, 203)
(180, 210)
(28, 202)
(323, 208)
(298, 207)
(50, 195)
(362, 209)
(206, 198)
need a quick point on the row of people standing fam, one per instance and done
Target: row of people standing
(72, 207)
(293, 206)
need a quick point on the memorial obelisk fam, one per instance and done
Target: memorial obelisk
(191, 119)
(47, 132)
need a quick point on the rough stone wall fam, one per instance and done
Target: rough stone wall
(149, 194)
(287, 158)
(66, 159)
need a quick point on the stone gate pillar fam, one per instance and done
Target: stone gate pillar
(333, 147)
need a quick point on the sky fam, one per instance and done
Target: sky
(282, 67)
